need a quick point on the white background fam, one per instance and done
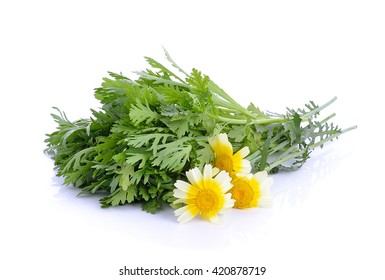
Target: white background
(327, 221)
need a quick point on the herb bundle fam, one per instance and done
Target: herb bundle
(150, 131)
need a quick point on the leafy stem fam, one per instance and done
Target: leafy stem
(294, 155)
(151, 130)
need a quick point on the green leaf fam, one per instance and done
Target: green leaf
(237, 133)
(168, 57)
(135, 156)
(77, 159)
(205, 155)
(120, 197)
(176, 98)
(126, 173)
(198, 80)
(181, 125)
(173, 156)
(293, 127)
(144, 193)
(115, 182)
(163, 69)
(151, 141)
(256, 111)
(142, 113)
(151, 206)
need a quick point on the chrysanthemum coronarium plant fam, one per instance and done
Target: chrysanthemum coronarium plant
(174, 138)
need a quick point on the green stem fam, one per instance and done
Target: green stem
(218, 101)
(311, 147)
(227, 120)
(348, 129)
(279, 147)
(254, 156)
(239, 121)
(226, 100)
(269, 120)
(320, 108)
(328, 118)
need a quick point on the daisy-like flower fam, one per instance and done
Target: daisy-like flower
(204, 194)
(251, 190)
(224, 157)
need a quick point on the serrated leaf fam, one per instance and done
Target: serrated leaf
(151, 206)
(205, 155)
(162, 68)
(135, 156)
(120, 197)
(140, 113)
(173, 156)
(125, 176)
(115, 182)
(144, 193)
(198, 80)
(151, 140)
(256, 111)
(237, 132)
(293, 126)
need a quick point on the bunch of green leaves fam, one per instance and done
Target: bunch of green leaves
(150, 131)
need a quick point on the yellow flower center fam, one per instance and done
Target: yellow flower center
(206, 198)
(206, 201)
(243, 193)
(224, 162)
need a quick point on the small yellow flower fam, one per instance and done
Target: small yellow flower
(251, 190)
(204, 194)
(224, 157)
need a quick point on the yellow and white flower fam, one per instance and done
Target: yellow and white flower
(224, 157)
(251, 190)
(204, 194)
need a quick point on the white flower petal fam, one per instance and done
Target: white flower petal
(212, 141)
(222, 137)
(194, 176)
(215, 220)
(265, 201)
(182, 185)
(216, 170)
(208, 171)
(245, 166)
(229, 202)
(220, 140)
(180, 200)
(185, 217)
(180, 194)
(267, 183)
(243, 152)
(180, 211)
(224, 210)
(245, 176)
(224, 180)
(260, 176)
